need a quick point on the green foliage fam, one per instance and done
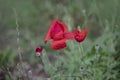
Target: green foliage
(51, 70)
(79, 60)
(7, 58)
(98, 63)
(94, 59)
(7, 61)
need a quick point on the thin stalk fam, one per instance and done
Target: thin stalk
(82, 51)
(18, 40)
(81, 48)
(9, 74)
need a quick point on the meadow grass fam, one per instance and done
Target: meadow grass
(97, 58)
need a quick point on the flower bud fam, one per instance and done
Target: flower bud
(97, 47)
(39, 50)
(81, 69)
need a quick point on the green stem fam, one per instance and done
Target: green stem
(18, 41)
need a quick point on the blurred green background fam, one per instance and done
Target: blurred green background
(35, 16)
(100, 17)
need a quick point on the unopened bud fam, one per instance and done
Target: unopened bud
(81, 69)
(97, 47)
(39, 50)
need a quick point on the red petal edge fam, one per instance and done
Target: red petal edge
(48, 35)
(57, 45)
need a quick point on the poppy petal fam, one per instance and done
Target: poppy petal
(64, 26)
(69, 35)
(59, 36)
(48, 35)
(76, 31)
(59, 44)
(56, 27)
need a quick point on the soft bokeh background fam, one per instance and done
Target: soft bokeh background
(34, 18)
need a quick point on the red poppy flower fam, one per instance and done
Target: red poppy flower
(80, 35)
(58, 32)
